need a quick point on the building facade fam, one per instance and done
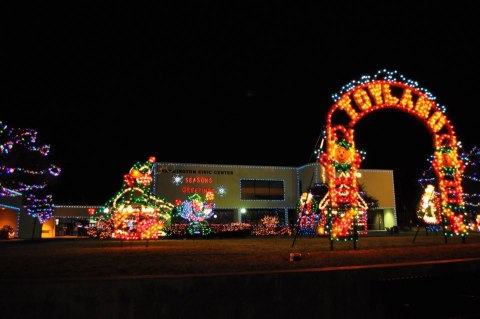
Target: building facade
(243, 193)
(14, 216)
(247, 193)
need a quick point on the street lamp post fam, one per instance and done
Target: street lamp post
(242, 210)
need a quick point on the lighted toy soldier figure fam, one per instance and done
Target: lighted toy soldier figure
(342, 206)
(449, 169)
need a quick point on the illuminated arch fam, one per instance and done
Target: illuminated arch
(342, 207)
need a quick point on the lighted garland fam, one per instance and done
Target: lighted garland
(388, 76)
(196, 211)
(5, 192)
(134, 212)
(449, 170)
(388, 89)
(29, 182)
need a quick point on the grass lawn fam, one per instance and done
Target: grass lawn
(93, 258)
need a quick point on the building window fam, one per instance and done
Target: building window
(258, 189)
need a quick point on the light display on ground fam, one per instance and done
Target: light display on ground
(471, 160)
(342, 206)
(196, 211)
(134, 212)
(269, 226)
(428, 210)
(307, 220)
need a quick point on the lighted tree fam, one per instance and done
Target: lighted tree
(196, 211)
(134, 212)
(26, 168)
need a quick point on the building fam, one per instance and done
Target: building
(68, 220)
(243, 193)
(247, 193)
(14, 216)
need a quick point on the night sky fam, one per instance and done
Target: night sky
(107, 85)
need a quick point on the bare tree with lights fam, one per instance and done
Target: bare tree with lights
(26, 168)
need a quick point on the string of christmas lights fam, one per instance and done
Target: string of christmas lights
(196, 211)
(386, 89)
(33, 183)
(471, 160)
(307, 219)
(134, 212)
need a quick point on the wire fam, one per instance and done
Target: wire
(315, 148)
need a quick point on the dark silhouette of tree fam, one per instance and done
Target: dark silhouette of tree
(471, 181)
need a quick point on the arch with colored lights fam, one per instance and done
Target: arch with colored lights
(342, 208)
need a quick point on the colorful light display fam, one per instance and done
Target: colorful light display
(307, 220)
(196, 211)
(19, 148)
(270, 227)
(428, 210)
(134, 212)
(471, 160)
(342, 205)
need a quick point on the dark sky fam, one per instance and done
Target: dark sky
(107, 85)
